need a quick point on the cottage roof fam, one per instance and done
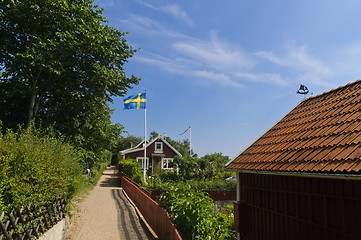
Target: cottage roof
(140, 146)
(321, 134)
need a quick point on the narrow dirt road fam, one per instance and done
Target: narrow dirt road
(106, 213)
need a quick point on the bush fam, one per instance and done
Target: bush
(131, 169)
(169, 176)
(205, 185)
(35, 168)
(215, 185)
(193, 214)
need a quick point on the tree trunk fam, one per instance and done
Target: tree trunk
(34, 103)
(31, 109)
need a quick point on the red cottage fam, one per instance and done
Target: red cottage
(160, 155)
(302, 178)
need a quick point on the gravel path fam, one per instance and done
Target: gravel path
(106, 213)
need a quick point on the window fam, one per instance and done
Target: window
(167, 163)
(140, 160)
(158, 147)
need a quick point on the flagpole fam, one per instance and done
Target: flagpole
(145, 142)
(190, 141)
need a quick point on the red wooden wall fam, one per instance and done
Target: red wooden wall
(167, 151)
(288, 207)
(157, 217)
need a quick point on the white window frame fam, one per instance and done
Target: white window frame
(140, 160)
(156, 149)
(167, 160)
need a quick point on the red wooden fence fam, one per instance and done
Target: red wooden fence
(157, 217)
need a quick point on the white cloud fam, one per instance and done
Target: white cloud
(308, 68)
(210, 60)
(219, 78)
(197, 75)
(146, 4)
(167, 64)
(271, 78)
(214, 54)
(143, 24)
(177, 12)
(171, 9)
(221, 62)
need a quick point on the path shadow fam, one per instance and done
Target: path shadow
(110, 182)
(112, 179)
(128, 224)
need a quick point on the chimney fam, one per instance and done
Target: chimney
(131, 145)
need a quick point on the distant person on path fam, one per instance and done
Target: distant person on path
(87, 172)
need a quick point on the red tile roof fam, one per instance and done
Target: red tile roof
(321, 134)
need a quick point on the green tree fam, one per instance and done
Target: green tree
(127, 142)
(61, 65)
(188, 167)
(123, 143)
(211, 164)
(208, 166)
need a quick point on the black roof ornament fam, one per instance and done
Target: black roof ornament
(303, 90)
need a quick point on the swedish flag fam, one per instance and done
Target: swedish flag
(135, 101)
(185, 131)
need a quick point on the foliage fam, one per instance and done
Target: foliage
(126, 142)
(36, 167)
(206, 167)
(204, 185)
(96, 173)
(212, 164)
(193, 214)
(153, 181)
(188, 166)
(169, 176)
(61, 65)
(93, 160)
(131, 169)
(122, 144)
(202, 174)
(226, 215)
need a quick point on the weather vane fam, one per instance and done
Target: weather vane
(303, 90)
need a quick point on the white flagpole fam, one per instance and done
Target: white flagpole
(145, 141)
(190, 141)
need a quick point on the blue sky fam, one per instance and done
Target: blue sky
(230, 69)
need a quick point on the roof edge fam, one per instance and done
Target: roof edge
(351, 176)
(135, 149)
(230, 161)
(334, 89)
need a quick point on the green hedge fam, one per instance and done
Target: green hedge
(194, 215)
(35, 168)
(131, 169)
(158, 183)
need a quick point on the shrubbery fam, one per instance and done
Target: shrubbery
(131, 169)
(194, 216)
(35, 168)
(169, 176)
(156, 183)
(190, 209)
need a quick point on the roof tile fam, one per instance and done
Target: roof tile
(322, 133)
